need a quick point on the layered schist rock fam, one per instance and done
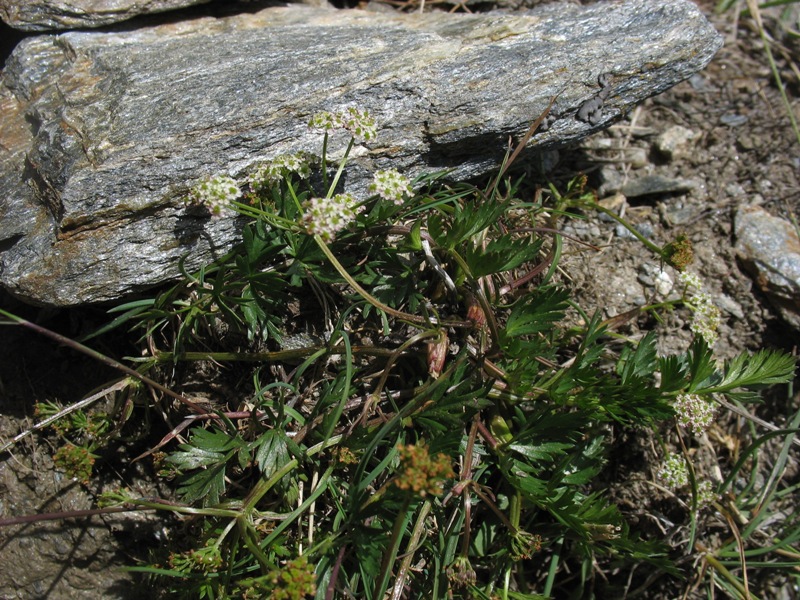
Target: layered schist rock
(42, 15)
(103, 133)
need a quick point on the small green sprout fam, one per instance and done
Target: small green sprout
(76, 461)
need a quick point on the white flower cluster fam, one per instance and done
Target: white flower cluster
(215, 193)
(705, 494)
(325, 217)
(692, 282)
(694, 412)
(705, 315)
(279, 168)
(359, 123)
(325, 121)
(391, 185)
(675, 472)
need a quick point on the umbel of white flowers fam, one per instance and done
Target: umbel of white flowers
(322, 216)
(705, 315)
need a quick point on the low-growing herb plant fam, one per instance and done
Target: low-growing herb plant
(419, 419)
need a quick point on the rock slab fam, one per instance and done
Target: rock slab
(41, 15)
(770, 250)
(104, 133)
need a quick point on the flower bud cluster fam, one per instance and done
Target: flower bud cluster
(279, 168)
(391, 185)
(322, 216)
(293, 581)
(215, 194)
(706, 318)
(421, 473)
(706, 495)
(675, 472)
(675, 475)
(694, 412)
(705, 315)
(461, 574)
(679, 253)
(325, 217)
(204, 560)
(359, 123)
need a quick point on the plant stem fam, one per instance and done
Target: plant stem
(413, 544)
(415, 319)
(103, 359)
(262, 357)
(340, 170)
(656, 249)
(389, 556)
(116, 387)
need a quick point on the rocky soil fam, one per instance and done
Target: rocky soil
(722, 139)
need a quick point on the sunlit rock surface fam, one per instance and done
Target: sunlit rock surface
(103, 133)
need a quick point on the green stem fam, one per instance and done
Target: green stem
(340, 170)
(324, 165)
(650, 245)
(322, 485)
(413, 544)
(264, 485)
(184, 510)
(250, 539)
(552, 571)
(730, 577)
(755, 12)
(400, 522)
(262, 357)
(295, 199)
(257, 213)
(103, 359)
(515, 509)
(414, 319)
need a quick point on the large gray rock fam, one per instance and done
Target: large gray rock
(40, 15)
(769, 248)
(103, 133)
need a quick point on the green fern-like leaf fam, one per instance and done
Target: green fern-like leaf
(766, 367)
(465, 223)
(207, 485)
(674, 371)
(702, 370)
(546, 451)
(272, 451)
(535, 313)
(500, 255)
(640, 362)
(207, 455)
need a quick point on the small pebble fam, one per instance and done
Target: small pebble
(728, 305)
(677, 212)
(645, 229)
(611, 180)
(675, 142)
(652, 275)
(735, 190)
(656, 184)
(637, 157)
(733, 120)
